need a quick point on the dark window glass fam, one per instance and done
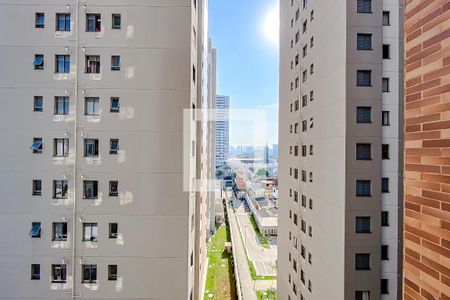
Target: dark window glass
(363, 151)
(112, 272)
(384, 286)
(93, 23)
(38, 62)
(386, 51)
(386, 18)
(39, 20)
(90, 189)
(363, 114)
(364, 41)
(362, 225)
(384, 218)
(37, 187)
(385, 185)
(62, 22)
(363, 78)
(35, 271)
(385, 252)
(364, 6)
(116, 21)
(385, 151)
(363, 188)
(362, 261)
(113, 230)
(59, 273)
(38, 104)
(89, 273)
(62, 64)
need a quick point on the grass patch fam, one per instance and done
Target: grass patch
(269, 295)
(261, 237)
(219, 279)
(251, 266)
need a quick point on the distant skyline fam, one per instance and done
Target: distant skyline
(245, 34)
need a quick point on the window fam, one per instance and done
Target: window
(363, 78)
(384, 286)
(303, 175)
(59, 231)
(90, 232)
(38, 104)
(311, 148)
(362, 225)
(35, 231)
(38, 62)
(362, 261)
(304, 125)
(386, 51)
(362, 295)
(364, 41)
(89, 273)
(114, 146)
(37, 145)
(90, 147)
(60, 188)
(35, 271)
(384, 252)
(303, 200)
(311, 96)
(386, 18)
(61, 147)
(305, 3)
(62, 22)
(385, 85)
(385, 120)
(363, 151)
(62, 64)
(311, 123)
(93, 22)
(39, 20)
(385, 185)
(115, 63)
(385, 151)
(90, 189)
(384, 218)
(113, 229)
(363, 188)
(310, 177)
(59, 273)
(304, 26)
(91, 106)
(310, 204)
(297, 14)
(62, 105)
(116, 21)
(312, 15)
(305, 50)
(115, 105)
(363, 114)
(304, 150)
(114, 188)
(297, 59)
(92, 64)
(311, 69)
(364, 6)
(303, 226)
(193, 74)
(297, 37)
(112, 272)
(305, 75)
(37, 187)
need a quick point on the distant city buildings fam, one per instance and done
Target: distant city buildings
(222, 130)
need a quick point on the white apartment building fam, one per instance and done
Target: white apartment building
(222, 130)
(91, 169)
(339, 161)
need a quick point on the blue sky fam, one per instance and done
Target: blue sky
(244, 32)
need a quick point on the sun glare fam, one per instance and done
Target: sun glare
(271, 24)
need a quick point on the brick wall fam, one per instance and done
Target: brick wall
(427, 150)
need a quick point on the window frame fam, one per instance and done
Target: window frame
(364, 41)
(92, 64)
(37, 17)
(361, 82)
(113, 18)
(113, 230)
(35, 272)
(360, 151)
(86, 188)
(63, 185)
(64, 142)
(96, 22)
(92, 106)
(63, 18)
(62, 278)
(366, 266)
(62, 63)
(367, 187)
(113, 184)
(363, 224)
(59, 234)
(61, 105)
(93, 232)
(113, 271)
(360, 9)
(361, 115)
(39, 66)
(36, 191)
(114, 150)
(91, 271)
(115, 59)
(95, 147)
(36, 107)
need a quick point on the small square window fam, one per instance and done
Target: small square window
(93, 23)
(115, 63)
(35, 231)
(37, 145)
(363, 78)
(92, 64)
(362, 225)
(60, 188)
(62, 64)
(362, 261)
(364, 41)
(37, 187)
(114, 146)
(114, 188)
(90, 189)
(39, 20)
(90, 232)
(59, 231)
(35, 271)
(113, 230)
(116, 21)
(62, 105)
(89, 274)
(112, 272)
(364, 6)
(363, 151)
(363, 188)
(59, 273)
(38, 104)
(38, 62)
(114, 105)
(90, 147)
(62, 22)
(363, 114)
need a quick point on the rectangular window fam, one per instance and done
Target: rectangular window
(92, 64)
(114, 146)
(311, 69)
(35, 231)
(62, 105)
(305, 50)
(116, 21)
(90, 147)
(304, 100)
(384, 252)
(61, 147)
(90, 232)
(35, 271)
(90, 189)
(363, 151)
(303, 200)
(362, 261)
(92, 106)
(114, 188)
(385, 151)
(311, 96)
(38, 104)
(304, 150)
(113, 230)
(62, 63)
(384, 286)
(311, 42)
(310, 204)
(386, 51)
(115, 63)
(38, 62)
(363, 78)
(386, 18)
(311, 149)
(363, 188)
(385, 185)
(384, 218)
(363, 114)
(362, 225)
(305, 24)
(364, 6)
(385, 118)
(59, 231)
(364, 41)
(93, 23)
(112, 272)
(89, 273)
(37, 187)
(385, 85)
(62, 22)
(362, 295)
(39, 20)
(59, 273)
(37, 145)
(60, 188)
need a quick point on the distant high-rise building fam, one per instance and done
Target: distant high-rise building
(266, 153)
(275, 151)
(222, 130)
(427, 150)
(92, 158)
(340, 150)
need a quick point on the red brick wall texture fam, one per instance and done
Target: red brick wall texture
(427, 150)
